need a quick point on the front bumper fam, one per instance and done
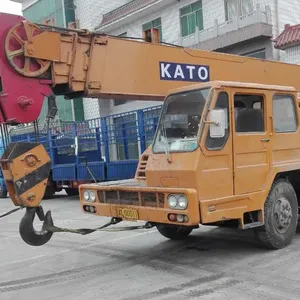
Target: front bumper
(133, 200)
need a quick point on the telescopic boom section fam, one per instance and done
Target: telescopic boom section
(40, 60)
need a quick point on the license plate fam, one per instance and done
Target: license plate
(127, 213)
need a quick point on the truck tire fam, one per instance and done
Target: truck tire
(49, 192)
(174, 232)
(280, 216)
(3, 194)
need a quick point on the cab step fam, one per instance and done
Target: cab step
(253, 225)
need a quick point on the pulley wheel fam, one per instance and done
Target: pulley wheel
(14, 49)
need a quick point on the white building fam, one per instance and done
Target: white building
(244, 27)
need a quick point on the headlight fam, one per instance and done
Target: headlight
(172, 200)
(92, 196)
(89, 196)
(86, 195)
(182, 202)
(177, 202)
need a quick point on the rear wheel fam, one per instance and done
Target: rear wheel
(281, 216)
(174, 232)
(72, 192)
(3, 193)
(49, 192)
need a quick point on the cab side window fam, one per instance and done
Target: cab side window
(219, 143)
(284, 114)
(249, 117)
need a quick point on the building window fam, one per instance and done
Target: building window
(190, 17)
(257, 54)
(284, 115)
(154, 24)
(119, 102)
(236, 8)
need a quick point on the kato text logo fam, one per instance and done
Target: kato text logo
(183, 72)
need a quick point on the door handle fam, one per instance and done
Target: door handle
(265, 140)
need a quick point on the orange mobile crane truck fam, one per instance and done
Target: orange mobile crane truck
(227, 145)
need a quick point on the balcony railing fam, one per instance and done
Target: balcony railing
(258, 16)
(128, 8)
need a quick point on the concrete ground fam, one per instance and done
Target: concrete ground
(212, 263)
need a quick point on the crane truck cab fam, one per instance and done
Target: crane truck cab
(222, 152)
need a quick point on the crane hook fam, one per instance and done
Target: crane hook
(28, 233)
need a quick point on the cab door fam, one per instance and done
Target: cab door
(251, 139)
(217, 168)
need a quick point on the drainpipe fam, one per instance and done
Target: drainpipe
(64, 12)
(65, 25)
(277, 52)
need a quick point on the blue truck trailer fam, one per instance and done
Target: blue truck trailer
(101, 149)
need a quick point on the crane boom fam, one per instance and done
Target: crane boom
(41, 60)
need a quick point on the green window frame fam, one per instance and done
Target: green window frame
(190, 17)
(154, 24)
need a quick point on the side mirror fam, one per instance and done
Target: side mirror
(217, 123)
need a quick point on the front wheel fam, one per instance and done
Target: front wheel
(72, 192)
(281, 216)
(174, 232)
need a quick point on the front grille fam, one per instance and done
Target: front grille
(145, 199)
(141, 170)
(149, 199)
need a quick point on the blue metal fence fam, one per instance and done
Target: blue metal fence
(110, 145)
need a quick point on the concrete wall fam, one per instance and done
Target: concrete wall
(90, 12)
(258, 44)
(293, 55)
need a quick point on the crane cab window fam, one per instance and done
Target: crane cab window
(179, 122)
(284, 114)
(249, 113)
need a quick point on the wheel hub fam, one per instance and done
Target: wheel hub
(282, 214)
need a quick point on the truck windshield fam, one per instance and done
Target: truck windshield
(179, 122)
